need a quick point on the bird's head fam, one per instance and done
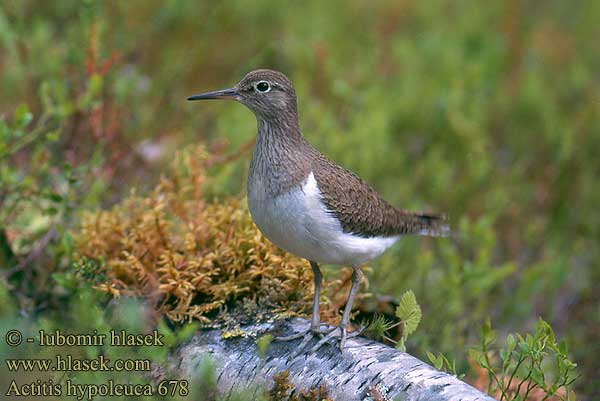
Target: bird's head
(269, 94)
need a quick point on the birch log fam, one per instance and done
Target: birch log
(348, 376)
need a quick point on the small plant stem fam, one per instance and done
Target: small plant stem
(521, 359)
(525, 379)
(28, 137)
(530, 386)
(491, 373)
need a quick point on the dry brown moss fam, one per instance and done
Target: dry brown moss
(191, 257)
(284, 390)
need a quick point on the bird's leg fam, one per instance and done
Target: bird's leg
(315, 326)
(343, 333)
(318, 279)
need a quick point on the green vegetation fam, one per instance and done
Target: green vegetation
(487, 111)
(519, 370)
(409, 316)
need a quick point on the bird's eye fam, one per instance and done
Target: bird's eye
(262, 87)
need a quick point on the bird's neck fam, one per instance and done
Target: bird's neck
(282, 156)
(279, 135)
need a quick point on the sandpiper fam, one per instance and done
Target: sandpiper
(307, 204)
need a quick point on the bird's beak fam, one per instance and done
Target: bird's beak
(230, 93)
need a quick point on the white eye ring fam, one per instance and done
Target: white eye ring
(262, 88)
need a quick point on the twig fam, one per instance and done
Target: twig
(35, 253)
(29, 137)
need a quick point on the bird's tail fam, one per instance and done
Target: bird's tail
(431, 225)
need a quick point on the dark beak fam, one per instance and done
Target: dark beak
(230, 93)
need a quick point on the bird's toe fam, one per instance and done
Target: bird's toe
(340, 334)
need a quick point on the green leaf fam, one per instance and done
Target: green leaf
(510, 343)
(67, 243)
(45, 96)
(409, 312)
(439, 362)
(263, 344)
(544, 329)
(562, 346)
(478, 357)
(22, 116)
(52, 136)
(488, 335)
(93, 90)
(432, 358)
(51, 211)
(4, 131)
(53, 196)
(537, 377)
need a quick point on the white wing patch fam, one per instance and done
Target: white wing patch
(300, 223)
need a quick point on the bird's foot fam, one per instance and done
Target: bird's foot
(339, 333)
(307, 335)
(313, 330)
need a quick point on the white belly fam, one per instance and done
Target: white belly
(299, 222)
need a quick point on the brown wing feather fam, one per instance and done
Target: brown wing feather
(363, 212)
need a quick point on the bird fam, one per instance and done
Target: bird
(310, 206)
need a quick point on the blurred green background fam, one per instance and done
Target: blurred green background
(489, 111)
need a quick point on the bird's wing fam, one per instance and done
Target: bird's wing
(362, 211)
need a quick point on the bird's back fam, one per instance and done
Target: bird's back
(362, 211)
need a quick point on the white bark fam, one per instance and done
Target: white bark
(348, 376)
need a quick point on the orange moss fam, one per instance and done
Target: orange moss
(190, 257)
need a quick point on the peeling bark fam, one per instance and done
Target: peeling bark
(348, 376)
